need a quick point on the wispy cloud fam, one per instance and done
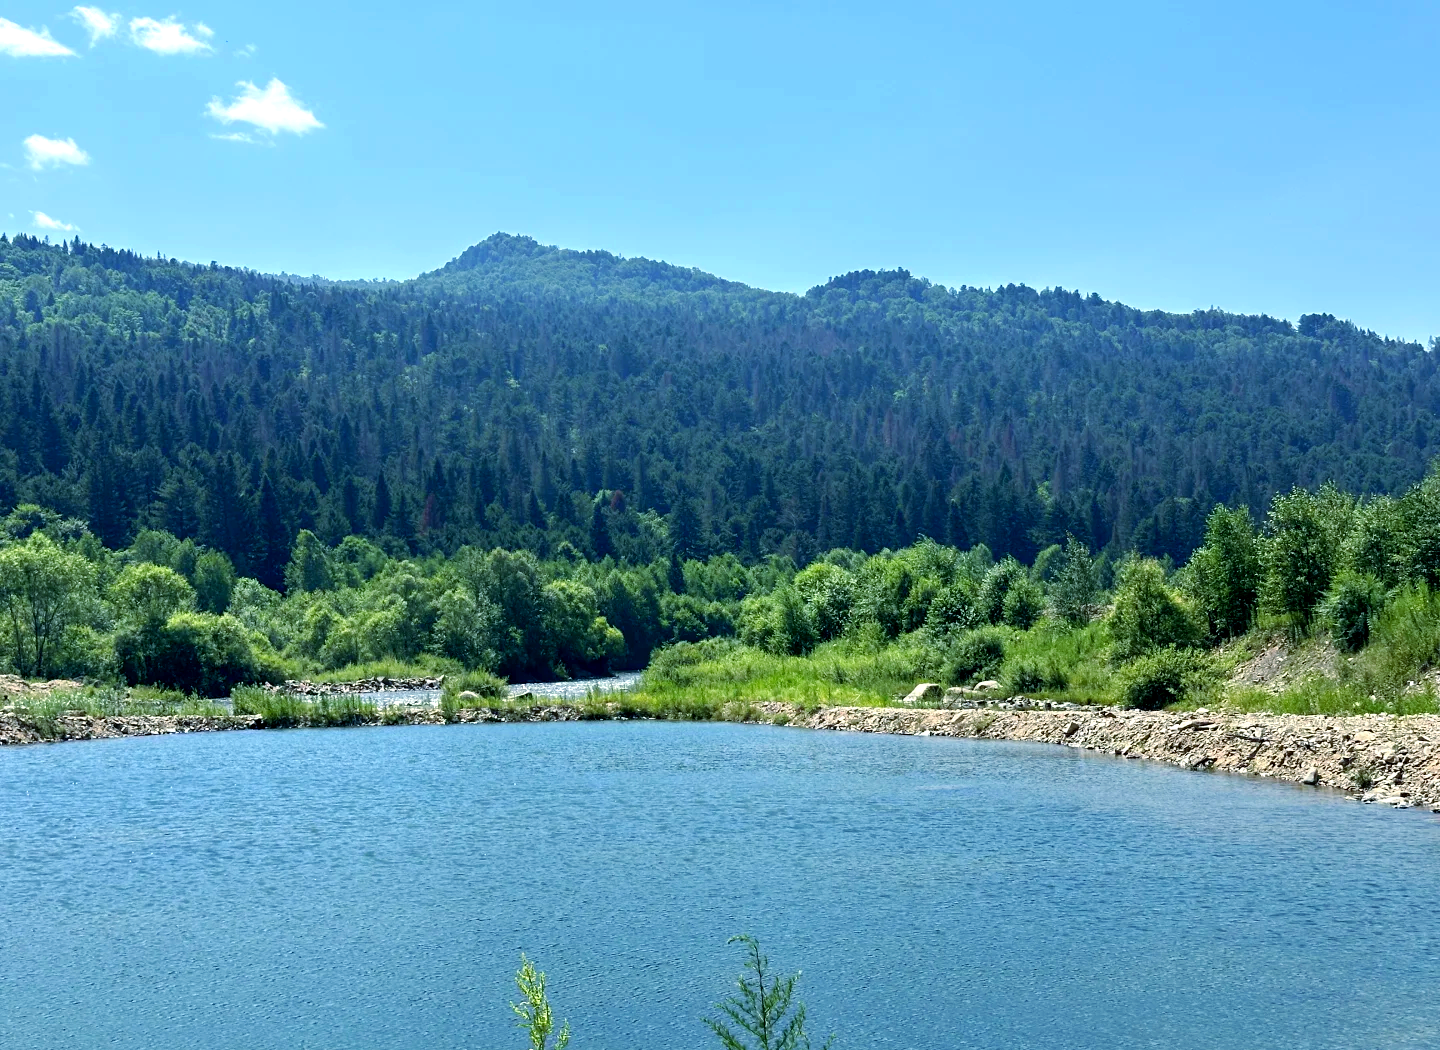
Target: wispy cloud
(44, 222)
(19, 42)
(42, 153)
(248, 51)
(271, 110)
(171, 37)
(96, 22)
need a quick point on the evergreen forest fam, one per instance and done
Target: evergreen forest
(577, 404)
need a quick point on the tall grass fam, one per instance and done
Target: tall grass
(707, 676)
(423, 666)
(287, 711)
(42, 711)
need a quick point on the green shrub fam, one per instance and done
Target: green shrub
(1148, 615)
(195, 653)
(1164, 677)
(953, 610)
(482, 683)
(1404, 640)
(974, 655)
(1351, 606)
(1024, 604)
(778, 623)
(1032, 674)
(990, 602)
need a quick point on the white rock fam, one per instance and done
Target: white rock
(924, 693)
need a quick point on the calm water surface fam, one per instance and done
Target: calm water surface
(373, 888)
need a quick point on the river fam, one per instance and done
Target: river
(373, 889)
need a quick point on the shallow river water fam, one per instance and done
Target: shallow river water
(373, 888)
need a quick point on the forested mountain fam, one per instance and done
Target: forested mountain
(529, 397)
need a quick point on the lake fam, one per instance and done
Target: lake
(374, 888)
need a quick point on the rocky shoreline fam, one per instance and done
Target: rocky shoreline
(15, 730)
(1372, 758)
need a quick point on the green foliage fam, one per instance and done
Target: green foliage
(1148, 615)
(309, 568)
(953, 609)
(147, 593)
(1301, 553)
(1163, 677)
(195, 653)
(536, 1016)
(974, 655)
(1024, 604)
(214, 582)
(828, 592)
(1225, 573)
(779, 623)
(990, 601)
(1404, 641)
(765, 1015)
(466, 628)
(287, 711)
(486, 686)
(1351, 606)
(1074, 585)
(44, 590)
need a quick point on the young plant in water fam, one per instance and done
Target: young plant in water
(535, 1015)
(766, 1014)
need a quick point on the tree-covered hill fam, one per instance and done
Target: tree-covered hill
(529, 397)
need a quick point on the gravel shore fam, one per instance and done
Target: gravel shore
(1372, 758)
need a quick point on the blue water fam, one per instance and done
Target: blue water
(374, 888)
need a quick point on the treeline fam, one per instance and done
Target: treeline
(167, 611)
(577, 405)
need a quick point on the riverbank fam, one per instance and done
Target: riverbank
(15, 729)
(1372, 758)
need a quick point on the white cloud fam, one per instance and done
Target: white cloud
(248, 51)
(96, 22)
(170, 37)
(44, 222)
(272, 110)
(42, 153)
(19, 42)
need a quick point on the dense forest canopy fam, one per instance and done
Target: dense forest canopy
(578, 403)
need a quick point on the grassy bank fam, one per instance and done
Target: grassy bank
(42, 711)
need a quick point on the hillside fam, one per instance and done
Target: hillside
(530, 397)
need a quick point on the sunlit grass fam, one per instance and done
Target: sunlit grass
(42, 711)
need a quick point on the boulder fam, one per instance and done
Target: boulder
(987, 686)
(924, 693)
(955, 696)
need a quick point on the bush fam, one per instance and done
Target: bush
(1351, 607)
(1148, 615)
(990, 602)
(974, 655)
(1024, 603)
(952, 610)
(483, 684)
(778, 623)
(1032, 674)
(1164, 677)
(195, 653)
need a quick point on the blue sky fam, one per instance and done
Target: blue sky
(1277, 158)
